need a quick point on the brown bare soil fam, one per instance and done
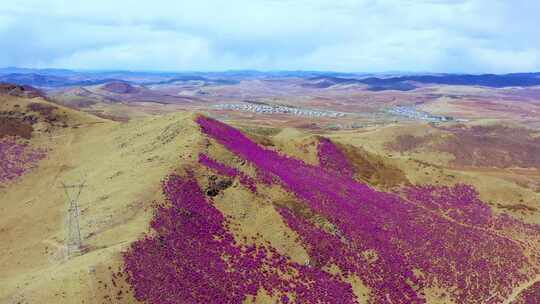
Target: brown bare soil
(518, 207)
(11, 126)
(408, 142)
(479, 146)
(373, 169)
(20, 91)
(43, 109)
(492, 146)
(119, 88)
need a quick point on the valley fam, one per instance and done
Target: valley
(189, 199)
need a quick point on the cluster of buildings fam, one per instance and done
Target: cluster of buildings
(278, 109)
(411, 113)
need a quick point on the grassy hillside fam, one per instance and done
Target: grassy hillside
(184, 208)
(122, 165)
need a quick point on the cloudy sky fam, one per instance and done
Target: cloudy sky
(342, 35)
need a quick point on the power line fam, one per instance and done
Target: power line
(73, 238)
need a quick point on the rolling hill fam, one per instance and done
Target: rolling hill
(183, 208)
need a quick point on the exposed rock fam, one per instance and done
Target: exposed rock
(215, 186)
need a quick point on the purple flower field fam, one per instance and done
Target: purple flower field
(398, 244)
(16, 159)
(194, 259)
(332, 159)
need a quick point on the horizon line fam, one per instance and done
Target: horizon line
(256, 71)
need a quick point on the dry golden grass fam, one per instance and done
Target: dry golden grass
(124, 163)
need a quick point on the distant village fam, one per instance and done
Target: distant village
(412, 113)
(278, 109)
(264, 108)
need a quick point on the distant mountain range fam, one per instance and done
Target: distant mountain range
(50, 80)
(487, 80)
(65, 78)
(407, 83)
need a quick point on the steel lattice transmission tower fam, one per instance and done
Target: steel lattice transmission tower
(73, 239)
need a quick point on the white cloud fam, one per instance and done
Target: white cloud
(347, 35)
(508, 60)
(152, 54)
